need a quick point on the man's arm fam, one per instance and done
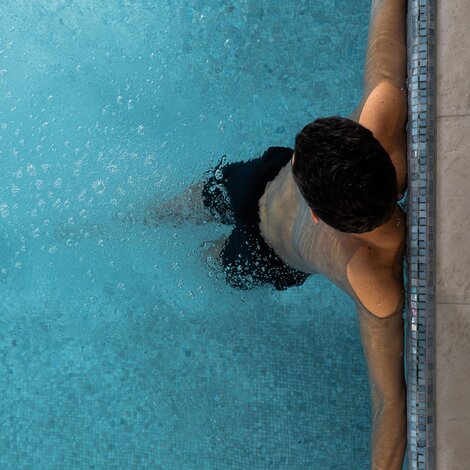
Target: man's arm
(382, 342)
(386, 48)
(383, 108)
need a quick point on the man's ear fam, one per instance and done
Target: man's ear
(314, 216)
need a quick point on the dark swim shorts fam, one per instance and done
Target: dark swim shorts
(231, 193)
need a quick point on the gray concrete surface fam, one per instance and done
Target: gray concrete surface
(452, 236)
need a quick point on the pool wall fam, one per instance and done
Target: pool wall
(420, 345)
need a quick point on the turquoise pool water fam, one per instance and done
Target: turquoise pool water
(119, 346)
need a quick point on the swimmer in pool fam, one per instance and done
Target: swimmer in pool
(329, 206)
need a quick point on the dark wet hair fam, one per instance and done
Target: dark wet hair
(345, 175)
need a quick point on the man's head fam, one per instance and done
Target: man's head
(344, 174)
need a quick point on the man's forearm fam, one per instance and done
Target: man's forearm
(382, 341)
(386, 49)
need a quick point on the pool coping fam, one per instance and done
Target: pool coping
(421, 147)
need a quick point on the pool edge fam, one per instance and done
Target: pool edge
(421, 146)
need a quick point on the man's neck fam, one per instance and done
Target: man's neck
(389, 235)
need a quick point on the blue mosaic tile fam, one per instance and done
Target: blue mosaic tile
(420, 251)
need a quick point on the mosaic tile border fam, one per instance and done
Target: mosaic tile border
(420, 347)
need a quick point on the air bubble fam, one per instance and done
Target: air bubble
(149, 160)
(4, 212)
(31, 169)
(99, 186)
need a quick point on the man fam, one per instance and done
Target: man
(329, 207)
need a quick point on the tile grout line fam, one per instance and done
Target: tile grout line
(453, 303)
(439, 116)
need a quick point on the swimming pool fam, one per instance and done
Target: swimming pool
(117, 348)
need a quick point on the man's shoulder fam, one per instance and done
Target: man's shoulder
(377, 288)
(376, 276)
(384, 111)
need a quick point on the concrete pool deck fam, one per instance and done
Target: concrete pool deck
(452, 235)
